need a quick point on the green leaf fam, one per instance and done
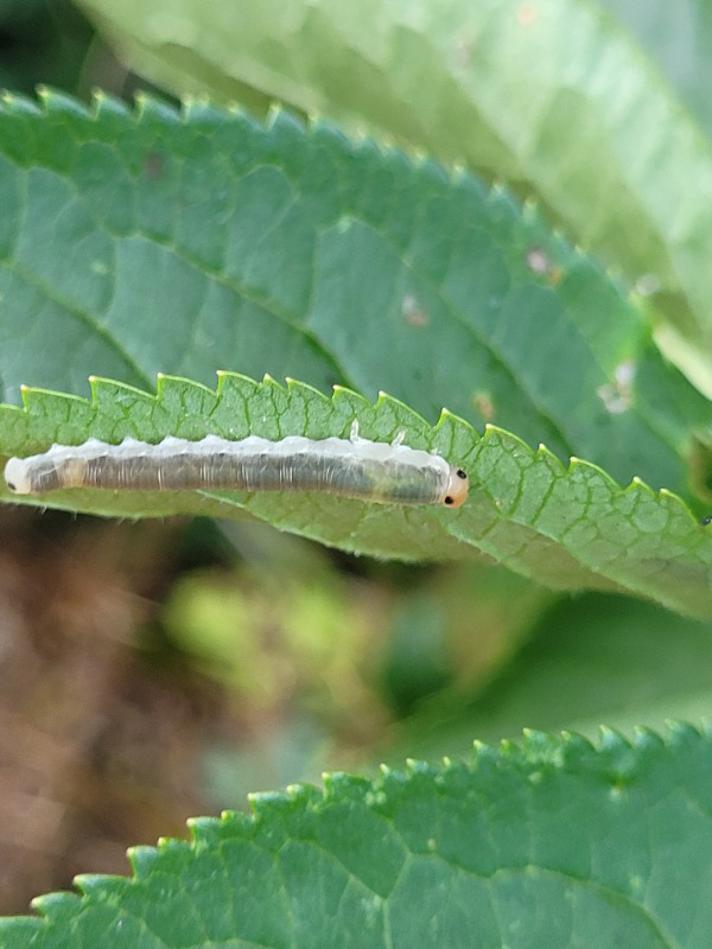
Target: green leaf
(132, 245)
(185, 69)
(592, 129)
(566, 528)
(596, 658)
(678, 38)
(551, 844)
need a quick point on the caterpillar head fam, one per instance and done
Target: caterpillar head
(457, 489)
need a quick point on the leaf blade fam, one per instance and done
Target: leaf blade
(158, 243)
(471, 853)
(599, 136)
(566, 527)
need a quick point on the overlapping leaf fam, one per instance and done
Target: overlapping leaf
(591, 659)
(678, 39)
(565, 527)
(553, 93)
(186, 244)
(551, 844)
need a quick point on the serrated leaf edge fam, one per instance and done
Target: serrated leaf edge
(613, 756)
(382, 402)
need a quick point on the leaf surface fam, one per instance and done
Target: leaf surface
(555, 95)
(678, 39)
(132, 245)
(551, 844)
(567, 528)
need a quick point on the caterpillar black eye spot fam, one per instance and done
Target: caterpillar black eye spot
(11, 486)
(448, 500)
(461, 474)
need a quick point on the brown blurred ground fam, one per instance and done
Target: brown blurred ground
(96, 747)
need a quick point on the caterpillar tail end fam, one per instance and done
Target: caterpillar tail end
(17, 477)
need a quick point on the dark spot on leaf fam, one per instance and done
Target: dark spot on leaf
(154, 165)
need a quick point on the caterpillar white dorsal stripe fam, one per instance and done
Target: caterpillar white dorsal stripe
(352, 468)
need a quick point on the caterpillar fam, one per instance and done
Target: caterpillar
(352, 468)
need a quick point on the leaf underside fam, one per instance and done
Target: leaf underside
(567, 528)
(554, 843)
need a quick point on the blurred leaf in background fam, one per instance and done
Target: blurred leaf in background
(598, 136)
(51, 43)
(43, 41)
(590, 659)
(678, 38)
(322, 662)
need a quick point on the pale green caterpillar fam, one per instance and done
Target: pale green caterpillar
(351, 468)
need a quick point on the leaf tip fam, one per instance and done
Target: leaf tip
(645, 737)
(261, 801)
(681, 732)
(142, 859)
(55, 907)
(297, 791)
(99, 887)
(149, 105)
(575, 741)
(612, 739)
(189, 100)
